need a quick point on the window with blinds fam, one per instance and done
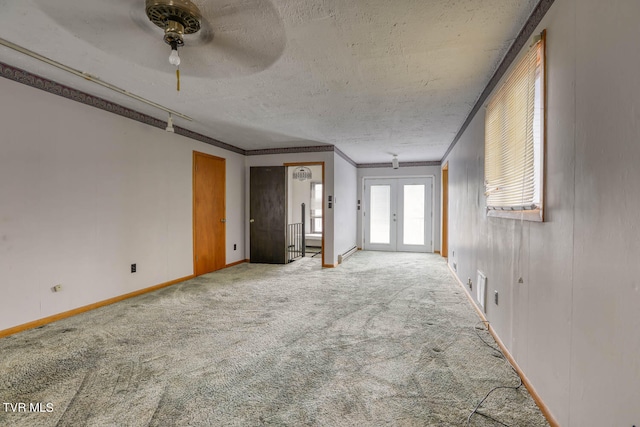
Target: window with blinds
(514, 139)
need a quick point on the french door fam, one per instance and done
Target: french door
(398, 214)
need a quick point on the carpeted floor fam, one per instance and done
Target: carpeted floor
(384, 339)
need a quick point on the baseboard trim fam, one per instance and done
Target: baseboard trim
(532, 391)
(64, 315)
(329, 265)
(436, 252)
(242, 261)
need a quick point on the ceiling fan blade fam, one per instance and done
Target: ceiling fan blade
(244, 54)
(237, 37)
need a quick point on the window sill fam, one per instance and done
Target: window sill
(534, 215)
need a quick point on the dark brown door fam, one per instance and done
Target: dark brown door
(267, 210)
(209, 230)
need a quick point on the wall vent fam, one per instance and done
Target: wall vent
(481, 288)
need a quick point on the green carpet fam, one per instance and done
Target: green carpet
(384, 339)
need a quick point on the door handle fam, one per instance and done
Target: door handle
(251, 220)
(223, 220)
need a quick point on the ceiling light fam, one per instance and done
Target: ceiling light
(174, 58)
(176, 18)
(302, 173)
(395, 162)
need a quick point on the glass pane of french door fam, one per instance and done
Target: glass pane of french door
(380, 214)
(413, 215)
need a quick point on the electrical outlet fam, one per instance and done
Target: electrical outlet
(235, 246)
(455, 266)
(495, 297)
(133, 268)
(56, 288)
(470, 283)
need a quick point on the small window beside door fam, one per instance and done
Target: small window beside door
(315, 207)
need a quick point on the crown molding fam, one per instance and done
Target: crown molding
(290, 150)
(33, 80)
(344, 156)
(527, 30)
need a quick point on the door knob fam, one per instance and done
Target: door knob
(223, 220)
(251, 220)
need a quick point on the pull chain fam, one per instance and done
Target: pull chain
(178, 79)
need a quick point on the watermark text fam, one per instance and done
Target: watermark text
(27, 407)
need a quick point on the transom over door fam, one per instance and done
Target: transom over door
(399, 214)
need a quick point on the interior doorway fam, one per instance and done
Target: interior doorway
(307, 190)
(209, 221)
(398, 214)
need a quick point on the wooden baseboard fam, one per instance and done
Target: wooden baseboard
(436, 252)
(532, 391)
(329, 265)
(242, 261)
(64, 315)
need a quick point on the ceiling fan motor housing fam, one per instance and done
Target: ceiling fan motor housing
(175, 17)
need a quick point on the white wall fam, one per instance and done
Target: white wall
(83, 194)
(345, 205)
(330, 257)
(399, 173)
(573, 325)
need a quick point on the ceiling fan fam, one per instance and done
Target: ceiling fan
(216, 38)
(176, 18)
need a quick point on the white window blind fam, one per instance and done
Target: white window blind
(513, 137)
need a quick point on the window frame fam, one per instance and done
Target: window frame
(312, 217)
(536, 214)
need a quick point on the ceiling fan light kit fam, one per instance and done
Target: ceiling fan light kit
(176, 18)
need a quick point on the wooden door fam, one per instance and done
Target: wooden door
(268, 214)
(209, 221)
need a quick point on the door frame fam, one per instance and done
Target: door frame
(433, 195)
(444, 235)
(324, 208)
(193, 203)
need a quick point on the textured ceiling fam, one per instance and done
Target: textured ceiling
(373, 78)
